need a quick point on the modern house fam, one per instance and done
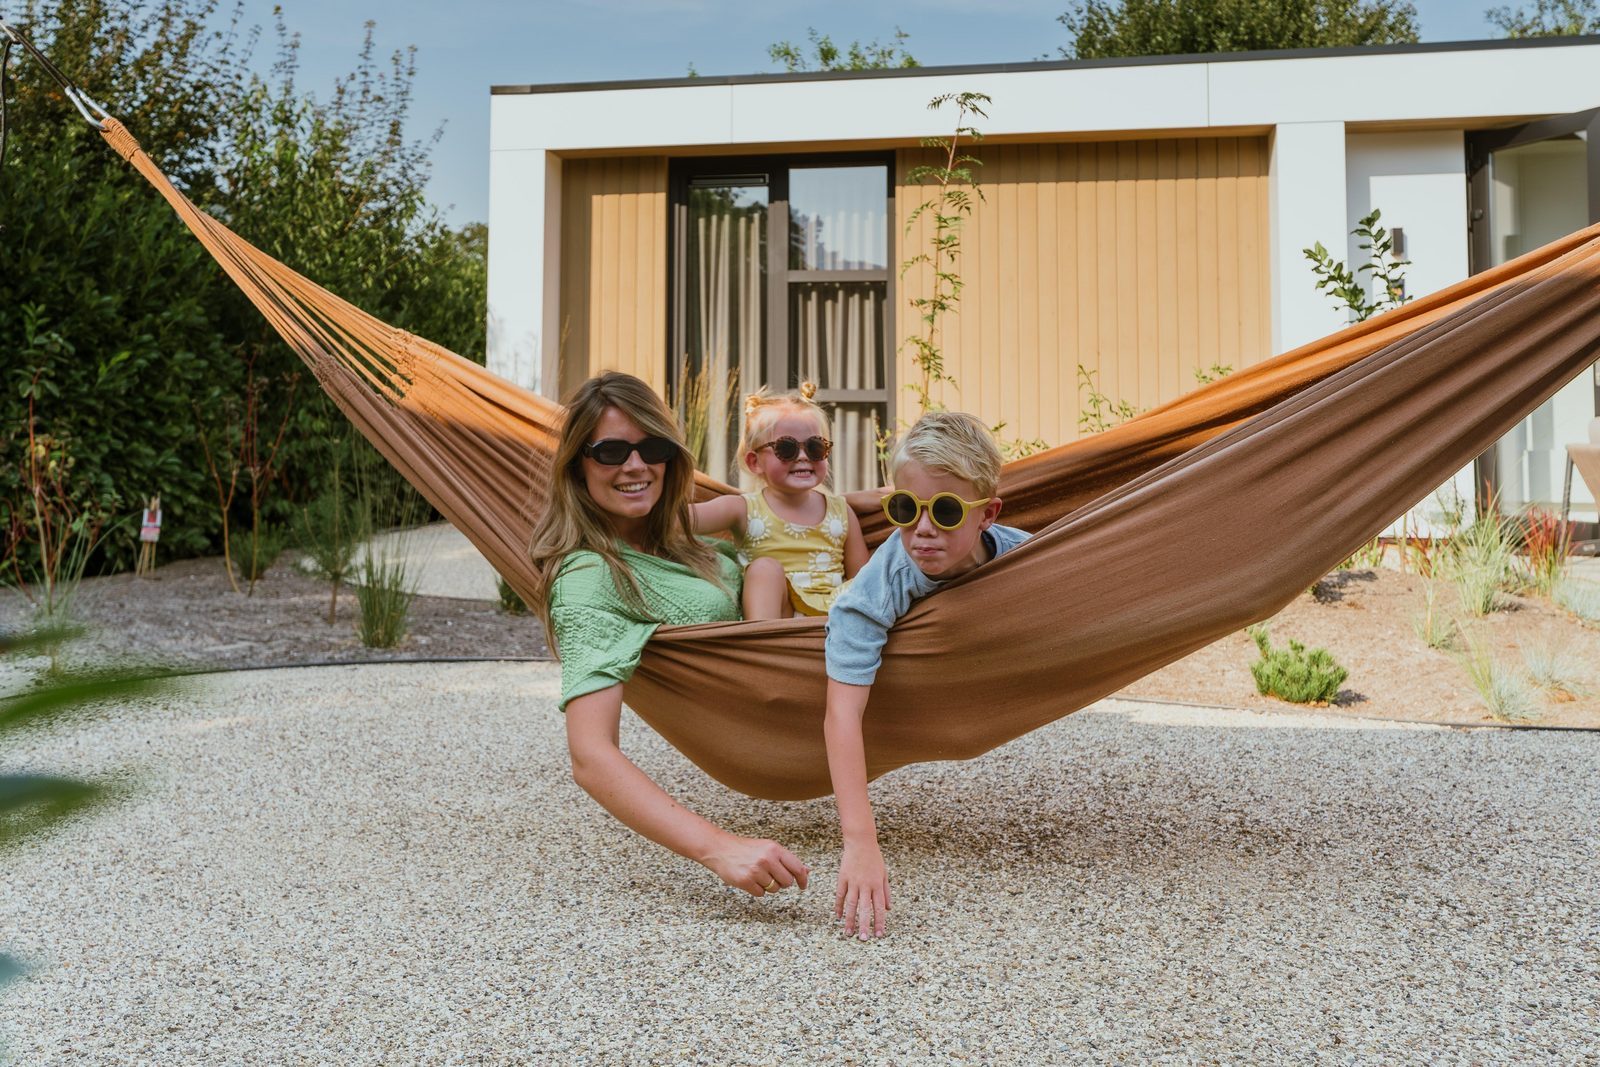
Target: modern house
(1142, 223)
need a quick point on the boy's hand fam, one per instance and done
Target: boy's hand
(863, 897)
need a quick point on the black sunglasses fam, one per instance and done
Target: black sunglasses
(788, 449)
(614, 452)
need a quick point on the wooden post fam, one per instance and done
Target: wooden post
(149, 534)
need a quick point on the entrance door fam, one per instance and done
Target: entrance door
(781, 273)
(1530, 185)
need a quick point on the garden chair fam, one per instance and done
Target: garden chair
(1586, 459)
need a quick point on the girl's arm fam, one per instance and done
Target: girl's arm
(756, 866)
(862, 898)
(856, 552)
(715, 516)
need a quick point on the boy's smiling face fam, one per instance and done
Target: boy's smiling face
(944, 554)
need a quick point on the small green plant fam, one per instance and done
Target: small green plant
(1368, 557)
(384, 592)
(511, 601)
(1579, 597)
(1099, 412)
(1481, 560)
(1545, 546)
(33, 803)
(1507, 694)
(1346, 287)
(1213, 373)
(950, 206)
(1556, 670)
(262, 547)
(691, 399)
(1295, 674)
(1436, 629)
(330, 528)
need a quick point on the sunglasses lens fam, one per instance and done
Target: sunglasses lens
(656, 450)
(610, 453)
(947, 512)
(786, 449)
(901, 508)
(817, 448)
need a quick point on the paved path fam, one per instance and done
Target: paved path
(392, 865)
(443, 561)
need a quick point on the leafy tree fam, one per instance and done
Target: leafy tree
(1547, 18)
(874, 55)
(117, 323)
(1107, 28)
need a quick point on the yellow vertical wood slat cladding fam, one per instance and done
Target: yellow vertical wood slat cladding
(1060, 404)
(1015, 224)
(576, 252)
(614, 268)
(1148, 296)
(1207, 241)
(1228, 252)
(1142, 261)
(1039, 392)
(1186, 257)
(1166, 299)
(1088, 247)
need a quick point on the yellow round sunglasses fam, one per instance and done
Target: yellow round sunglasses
(947, 510)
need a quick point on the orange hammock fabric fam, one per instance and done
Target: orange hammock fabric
(1155, 538)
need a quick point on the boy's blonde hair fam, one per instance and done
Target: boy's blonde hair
(955, 443)
(762, 410)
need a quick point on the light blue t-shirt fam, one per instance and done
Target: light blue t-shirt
(881, 592)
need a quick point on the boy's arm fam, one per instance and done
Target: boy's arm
(715, 516)
(862, 897)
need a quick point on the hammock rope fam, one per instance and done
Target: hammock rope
(1155, 537)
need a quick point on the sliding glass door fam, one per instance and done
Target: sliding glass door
(750, 308)
(1530, 185)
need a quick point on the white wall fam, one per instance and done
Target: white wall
(1306, 186)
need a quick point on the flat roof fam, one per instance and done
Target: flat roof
(1504, 44)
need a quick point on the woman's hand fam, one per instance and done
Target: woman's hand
(756, 865)
(862, 900)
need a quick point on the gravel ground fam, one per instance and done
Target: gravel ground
(389, 864)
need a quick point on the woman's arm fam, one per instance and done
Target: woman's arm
(754, 865)
(715, 516)
(862, 898)
(856, 552)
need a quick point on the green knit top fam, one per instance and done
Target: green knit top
(600, 637)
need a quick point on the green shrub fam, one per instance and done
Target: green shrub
(511, 601)
(1579, 597)
(1436, 629)
(260, 551)
(1295, 674)
(330, 532)
(1507, 694)
(384, 593)
(1556, 670)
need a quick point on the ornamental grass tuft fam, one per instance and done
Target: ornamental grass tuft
(1579, 597)
(1506, 693)
(1295, 674)
(384, 593)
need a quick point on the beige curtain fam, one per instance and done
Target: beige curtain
(728, 292)
(838, 343)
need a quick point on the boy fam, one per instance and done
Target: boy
(945, 472)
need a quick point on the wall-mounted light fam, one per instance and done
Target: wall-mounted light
(1398, 236)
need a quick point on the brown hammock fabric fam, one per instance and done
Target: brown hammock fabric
(1156, 537)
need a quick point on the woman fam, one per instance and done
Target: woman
(615, 559)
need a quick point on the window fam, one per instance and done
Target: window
(749, 310)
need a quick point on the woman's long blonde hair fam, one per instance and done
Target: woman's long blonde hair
(573, 522)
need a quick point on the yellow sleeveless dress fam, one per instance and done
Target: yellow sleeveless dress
(812, 556)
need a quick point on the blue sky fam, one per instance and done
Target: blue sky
(466, 46)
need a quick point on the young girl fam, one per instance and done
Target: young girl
(802, 542)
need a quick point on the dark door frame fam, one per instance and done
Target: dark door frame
(682, 170)
(1480, 146)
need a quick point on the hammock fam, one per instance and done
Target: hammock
(1155, 538)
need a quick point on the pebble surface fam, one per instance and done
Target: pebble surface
(390, 864)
